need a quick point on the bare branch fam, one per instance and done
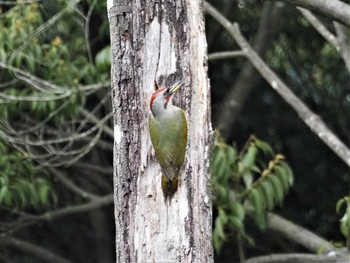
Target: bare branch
(343, 43)
(70, 185)
(297, 234)
(28, 220)
(86, 31)
(57, 140)
(312, 120)
(30, 248)
(320, 28)
(91, 117)
(340, 41)
(298, 258)
(21, 2)
(229, 110)
(50, 91)
(225, 55)
(335, 9)
(94, 167)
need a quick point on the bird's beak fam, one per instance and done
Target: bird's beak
(175, 87)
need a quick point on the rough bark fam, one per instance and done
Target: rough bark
(159, 41)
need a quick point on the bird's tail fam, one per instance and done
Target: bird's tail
(169, 186)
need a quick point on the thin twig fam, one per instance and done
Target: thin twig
(70, 185)
(225, 55)
(334, 9)
(92, 117)
(87, 31)
(298, 258)
(343, 43)
(320, 28)
(30, 220)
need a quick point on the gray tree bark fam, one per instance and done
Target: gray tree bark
(159, 41)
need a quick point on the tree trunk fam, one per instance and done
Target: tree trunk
(159, 41)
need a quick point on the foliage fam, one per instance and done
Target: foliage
(345, 220)
(244, 184)
(44, 63)
(50, 57)
(22, 184)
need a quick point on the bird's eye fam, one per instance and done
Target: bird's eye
(166, 92)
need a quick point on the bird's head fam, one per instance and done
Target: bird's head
(161, 98)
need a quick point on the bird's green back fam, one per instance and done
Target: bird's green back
(169, 139)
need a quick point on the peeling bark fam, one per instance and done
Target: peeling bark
(159, 41)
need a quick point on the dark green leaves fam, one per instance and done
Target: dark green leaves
(22, 185)
(243, 184)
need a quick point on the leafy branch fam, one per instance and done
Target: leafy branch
(241, 184)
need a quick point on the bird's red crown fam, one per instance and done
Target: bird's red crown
(154, 95)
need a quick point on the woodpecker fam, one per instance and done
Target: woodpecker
(168, 131)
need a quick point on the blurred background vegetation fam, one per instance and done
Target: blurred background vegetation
(56, 139)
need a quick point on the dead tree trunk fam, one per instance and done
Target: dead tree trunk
(159, 41)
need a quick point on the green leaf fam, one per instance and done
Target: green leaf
(3, 193)
(237, 210)
(248, 179)
(219, 163)
(339, 205)
(237, 224)
(284, 177)
(345, 224)
(103, 59)
(44, 194)
(289, 173)
(248, 159)
(220, 223)
(265, 147)
(277, 188)
(217, 241)
(256, 199)
(267, 190)
(222, 192)
(230, 154)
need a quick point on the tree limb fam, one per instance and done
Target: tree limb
(108, 131)
(297, 234)
(320, 28)
(93, 167)
(343, 43)
(298, 258)
(340, 41)
(311, 119)
(29, 220)
(32, 249)
(335, 9)
(225, 55)
(248, 78)
(70, 185)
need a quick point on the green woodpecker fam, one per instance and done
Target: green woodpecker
(168, 130)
